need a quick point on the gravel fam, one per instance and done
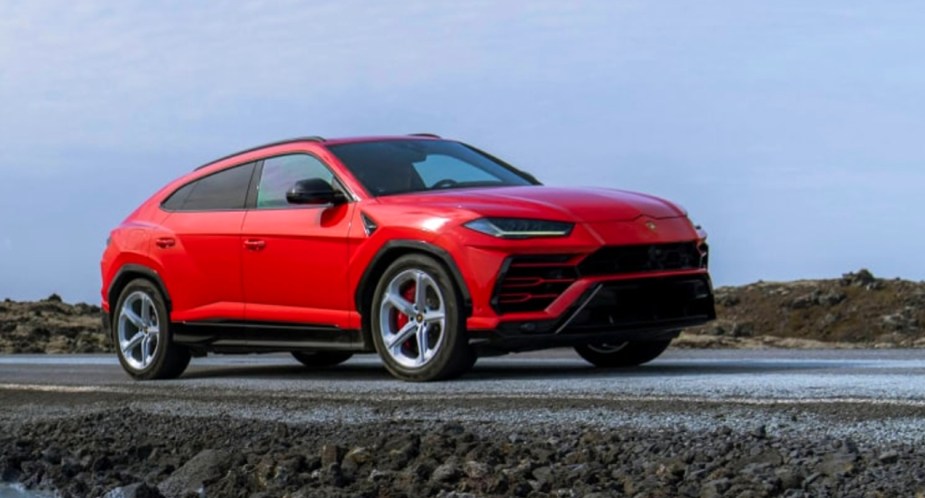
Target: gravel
(129, 452)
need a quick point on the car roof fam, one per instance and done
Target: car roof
(326, 141)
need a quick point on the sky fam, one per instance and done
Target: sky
(793, 131)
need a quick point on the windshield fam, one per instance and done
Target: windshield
(399, 166)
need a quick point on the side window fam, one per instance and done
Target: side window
(280, 174)
(226, 189)
(441, 167)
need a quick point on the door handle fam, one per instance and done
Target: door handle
(165, 242)
(254, 244)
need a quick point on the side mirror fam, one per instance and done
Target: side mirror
(314, 191)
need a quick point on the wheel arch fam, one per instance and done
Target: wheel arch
(126, 274)
(388, 254)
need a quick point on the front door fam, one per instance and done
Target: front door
(295, 256)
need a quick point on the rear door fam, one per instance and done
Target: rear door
(199, 246)
(295, 257)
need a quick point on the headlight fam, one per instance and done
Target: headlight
(513, 228)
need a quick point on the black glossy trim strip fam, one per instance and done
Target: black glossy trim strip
(312, 138)
(216, 335)
(122, 277)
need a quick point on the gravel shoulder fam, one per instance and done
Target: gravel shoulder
(540, 426)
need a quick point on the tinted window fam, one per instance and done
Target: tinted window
(226, 189)
(280, 174)
(396, 166)
(439, 167)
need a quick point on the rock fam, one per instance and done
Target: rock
(137, 490)
(359, 456)
(804, 301)
(206, 466)
(448, 472)
(543, 474)
(715, 488)
(837, 465)
(760, 432)
(331, 454)
(888, 457)
(789, 478)
(743, 329)
(862, 278)
(476, 470)
(831, 298)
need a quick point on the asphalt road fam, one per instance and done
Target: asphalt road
(877, 395)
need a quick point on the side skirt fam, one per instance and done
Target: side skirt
(241, 337)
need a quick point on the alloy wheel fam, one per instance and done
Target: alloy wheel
(138, 330)
(412, 318)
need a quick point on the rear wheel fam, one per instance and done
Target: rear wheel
(622, 354)
(417, 321)
(321, 359)
(142, 334)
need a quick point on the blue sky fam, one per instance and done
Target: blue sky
(792, 130)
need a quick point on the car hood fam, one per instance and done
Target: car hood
(566, 204)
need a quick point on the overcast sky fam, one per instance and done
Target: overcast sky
(793, 131)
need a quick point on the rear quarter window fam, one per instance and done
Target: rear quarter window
(225, 190)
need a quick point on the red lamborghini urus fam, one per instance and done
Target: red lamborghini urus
(427, 251)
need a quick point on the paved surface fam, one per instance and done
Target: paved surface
(880, 394)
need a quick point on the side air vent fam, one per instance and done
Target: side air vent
(531, 283)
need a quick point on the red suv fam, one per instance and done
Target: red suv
(427, 251)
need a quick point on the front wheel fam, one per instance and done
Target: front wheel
(417, 321)
(142, 334)
(622, 354)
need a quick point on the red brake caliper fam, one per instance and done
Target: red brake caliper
(402, 319)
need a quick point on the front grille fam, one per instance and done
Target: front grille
(645, 302)
(531, 283)
(613, 260)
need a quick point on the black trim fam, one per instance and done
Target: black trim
(312, 138)
(369, 224)
(492, 344)
(499, 281)
(427, 135)
(219, 336)
(578, 324)
(125, 274)
(377, 266)
(250, 200)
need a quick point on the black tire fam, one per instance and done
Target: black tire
(450, 355)
(627, 354)
(168, 360)
(321, 359)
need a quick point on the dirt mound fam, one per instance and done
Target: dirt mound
(857, 309)
(51, 326)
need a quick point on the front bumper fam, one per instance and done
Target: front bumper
(640, 309)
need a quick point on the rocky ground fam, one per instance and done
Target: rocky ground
(857, 310)
(124, 453)
(83, 442)
(51, 326)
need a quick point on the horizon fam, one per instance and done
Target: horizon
(790, 131)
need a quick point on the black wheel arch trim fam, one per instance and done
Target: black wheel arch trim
(376, 264)
(126, 273)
